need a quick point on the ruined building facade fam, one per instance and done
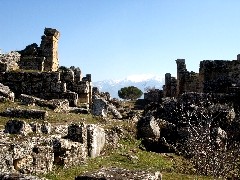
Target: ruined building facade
(215, 76)
(35, 71)
(43, 58)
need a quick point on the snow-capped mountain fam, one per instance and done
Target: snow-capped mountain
(140, 81)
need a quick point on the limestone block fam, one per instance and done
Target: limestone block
(148, 128)
(78, 110)
(67, 75)
(58, 87)
(51, 76)
(36, 87)
(46, 87)
(77, 75)
(68, 153)
(59, 105)
(9, 61)
(6, 92)
(20, 150)
(23, 164)
(31, 62)
(83, 98)
(28, 100)
(43, 158)
(99, 107)
(81, 87)
(95, 140)
(2, 76)
(36, 76)
(114, 111)
(51, 32)
(15, 76)
(77, 132)
(17, 127)
(72, 97)
(61, 129)
(26, 113)
(26, 87)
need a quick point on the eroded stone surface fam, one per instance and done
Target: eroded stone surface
(120, 174)
(6, 93)
(26, 113)
(38, 153)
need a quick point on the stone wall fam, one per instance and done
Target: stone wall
(44, 78)
(215, 76)
(43, 58)
(46, 85)
(76, 83)
(37, 154)
(170, 87)
(154, 95)
(219, 75)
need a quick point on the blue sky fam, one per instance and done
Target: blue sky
(113, 39)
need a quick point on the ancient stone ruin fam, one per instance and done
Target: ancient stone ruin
(66, 145)
(35, 71)
(43, 58)
(215, 76)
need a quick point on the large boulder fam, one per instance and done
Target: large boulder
(95, 140)
(101, 107)
(148, 128)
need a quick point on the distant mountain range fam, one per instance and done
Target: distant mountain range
(140, 81)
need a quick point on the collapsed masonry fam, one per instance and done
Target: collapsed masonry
(215, 76)
(35, 71)
(24, 149)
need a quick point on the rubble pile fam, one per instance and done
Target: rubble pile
(169, 125)
(101, 107)
(29, 151)
(9, 61)
(6, 93)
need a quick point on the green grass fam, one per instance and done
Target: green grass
(168, 165)
(128, 155)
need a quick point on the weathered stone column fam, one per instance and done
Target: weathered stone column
(168, 85)
(181, 70)
(49, 48)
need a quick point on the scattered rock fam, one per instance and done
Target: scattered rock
(101, 107)
(120, 174)
(5, 92)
